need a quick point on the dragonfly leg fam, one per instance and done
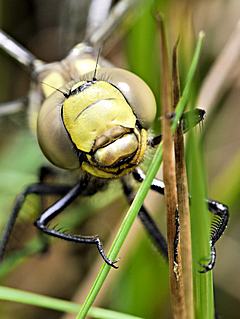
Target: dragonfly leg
(42, 223)
(151, 227)
(100, 33)
(218, 209)
(39, 189)
(219, 224)
(45, 172)
(13, 107)
(18, 52)
(154, 232)
(158, 186)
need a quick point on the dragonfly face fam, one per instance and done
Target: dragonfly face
(99, 125)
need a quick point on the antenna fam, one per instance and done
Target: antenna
(95, 70)
(65, 94)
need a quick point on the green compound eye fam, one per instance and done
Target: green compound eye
(104, 120)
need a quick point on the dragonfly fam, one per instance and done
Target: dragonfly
(95, 120)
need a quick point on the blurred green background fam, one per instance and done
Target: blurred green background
(140, 285)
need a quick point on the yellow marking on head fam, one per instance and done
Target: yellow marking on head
(98, 108)
(114, 173)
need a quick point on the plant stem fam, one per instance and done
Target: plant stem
(169, 177)
(185, 246)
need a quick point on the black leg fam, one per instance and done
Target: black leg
(218, 226)
(157, 185)
(43, 177)
(45, 172)
(154, 232)
(55, 209)
(218, 209)
(147, 221)
(39, 189)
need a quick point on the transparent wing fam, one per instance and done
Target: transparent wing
(73, 21)
(106, 27)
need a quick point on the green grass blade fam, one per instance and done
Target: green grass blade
(142, 192)
(11, 294)
(200, 229)
(187, 89)
(141, 46)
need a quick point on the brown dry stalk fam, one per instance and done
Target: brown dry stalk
(169, 177)
(185, 247)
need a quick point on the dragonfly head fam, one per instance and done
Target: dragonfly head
(101, 125)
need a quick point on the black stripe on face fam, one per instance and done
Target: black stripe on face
(82, 87)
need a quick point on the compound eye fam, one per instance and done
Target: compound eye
(136, 92)
(52, 136)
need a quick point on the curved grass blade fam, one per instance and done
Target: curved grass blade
(11, 294)
(200, 227)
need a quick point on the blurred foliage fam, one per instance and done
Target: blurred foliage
(140, 286)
